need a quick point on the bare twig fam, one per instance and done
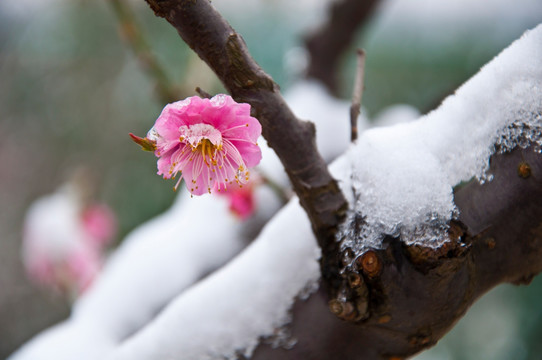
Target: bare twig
(217, 43)
(202, 93)
(133, 36)
(328, 43)
(357, 94)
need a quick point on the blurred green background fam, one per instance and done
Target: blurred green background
(71, 91)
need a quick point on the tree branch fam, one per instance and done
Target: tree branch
(328, 43)
(131, 33)
(419, 293)
(214, 40)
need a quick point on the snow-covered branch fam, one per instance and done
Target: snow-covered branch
(419, 293)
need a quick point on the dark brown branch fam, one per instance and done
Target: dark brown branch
(214, 40)
(419, 294)
(357, 94)
(329, 43)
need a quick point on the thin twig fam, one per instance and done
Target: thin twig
(202, 93)
(357, 93)
(133, 36)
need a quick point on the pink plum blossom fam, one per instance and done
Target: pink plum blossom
(100, 224)
(64, 241)
(69, 274)
(210, 143)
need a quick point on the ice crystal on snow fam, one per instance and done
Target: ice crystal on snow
(524, 132)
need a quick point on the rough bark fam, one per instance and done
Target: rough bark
(327, 44)
(419, 294)
(214, 40)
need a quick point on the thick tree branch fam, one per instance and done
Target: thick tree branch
(419, 293)
(214, 40)
(328, 43)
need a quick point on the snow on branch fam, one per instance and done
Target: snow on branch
(404, 227)
(250, 297)
(408, 172)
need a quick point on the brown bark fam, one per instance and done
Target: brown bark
(419, 294)
(327, 44)
(214, 40)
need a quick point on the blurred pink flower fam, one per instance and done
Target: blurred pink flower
(242, 203)
(69, 274)
(210, 143)
(64, 241)
(100, 224)
(241, 198)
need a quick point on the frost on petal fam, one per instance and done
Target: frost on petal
(219, 100)
(196, 133)
(207, 143)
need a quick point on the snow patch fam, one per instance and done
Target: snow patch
(403, 176)
(249, 298)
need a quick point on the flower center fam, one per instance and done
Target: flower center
(204, 138)
(208, 151)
